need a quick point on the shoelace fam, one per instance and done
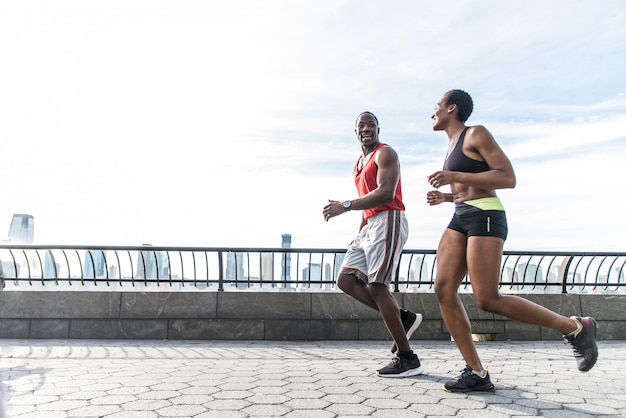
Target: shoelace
(466, 371)
(575, 348)
(395, 362)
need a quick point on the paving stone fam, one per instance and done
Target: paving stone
(335, 379)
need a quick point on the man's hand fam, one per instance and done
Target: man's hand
(332, 209)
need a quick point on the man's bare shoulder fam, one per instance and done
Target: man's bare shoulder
(386, 152)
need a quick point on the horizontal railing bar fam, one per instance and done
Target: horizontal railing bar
(279, 249)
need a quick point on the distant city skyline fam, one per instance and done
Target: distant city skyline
(248, 268)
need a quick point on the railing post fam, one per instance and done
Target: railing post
(563, 273)
(396, 285)
(220, 276)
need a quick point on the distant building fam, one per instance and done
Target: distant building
(337, 265)
(267, 267)
(286, 260)
(9, 269)
(419, 269)
(95, 264)
(51, 267)
(234, 266)
(328, 277)
(152, 264)
(312, 273)
(22, 229)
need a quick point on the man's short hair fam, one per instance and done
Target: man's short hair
(366, 113)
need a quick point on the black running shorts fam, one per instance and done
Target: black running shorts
(481, 223)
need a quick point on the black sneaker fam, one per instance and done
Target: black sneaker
(584, 343)
(401, 367)
(411, 322)
(468, 381)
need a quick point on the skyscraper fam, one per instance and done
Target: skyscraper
(337, 265)
(22, 229)
(286, 261)
(267, 267)
(152, 264)
(51, 267)
(95, 264)
(234, 266)
(312, 273)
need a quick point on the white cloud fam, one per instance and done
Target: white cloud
(560, 140)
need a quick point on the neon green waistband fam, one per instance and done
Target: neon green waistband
(486, 203)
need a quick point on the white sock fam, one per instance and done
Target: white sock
(579, 327)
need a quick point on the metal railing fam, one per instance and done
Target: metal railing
(60, 267)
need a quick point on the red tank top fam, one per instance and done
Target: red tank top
(365, 181)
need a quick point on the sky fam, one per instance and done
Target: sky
(227, 123)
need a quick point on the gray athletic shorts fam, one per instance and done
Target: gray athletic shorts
(375, 253)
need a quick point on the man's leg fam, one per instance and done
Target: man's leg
(354, 287)
(406, 363)
(390, 311)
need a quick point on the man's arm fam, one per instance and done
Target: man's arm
(387, 178)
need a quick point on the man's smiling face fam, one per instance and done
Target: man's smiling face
(367, 129)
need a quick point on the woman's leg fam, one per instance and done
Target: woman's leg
(451, 269)
(484, 258)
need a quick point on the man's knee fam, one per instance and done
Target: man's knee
(378, 290)
(345, 281)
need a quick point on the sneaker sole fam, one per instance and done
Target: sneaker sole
(409, 333)
(407, 373)
(485, 388)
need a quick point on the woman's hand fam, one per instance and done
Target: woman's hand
(435, 197)
(441, 178)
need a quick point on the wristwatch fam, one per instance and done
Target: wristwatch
(347, 205)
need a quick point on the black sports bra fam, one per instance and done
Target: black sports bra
(458, 161)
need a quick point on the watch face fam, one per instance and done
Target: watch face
(346, 204)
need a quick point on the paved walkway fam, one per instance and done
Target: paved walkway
(105, 378)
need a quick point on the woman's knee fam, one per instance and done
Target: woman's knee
(488, 302)
(444, 290)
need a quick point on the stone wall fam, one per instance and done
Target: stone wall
(258, 315)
